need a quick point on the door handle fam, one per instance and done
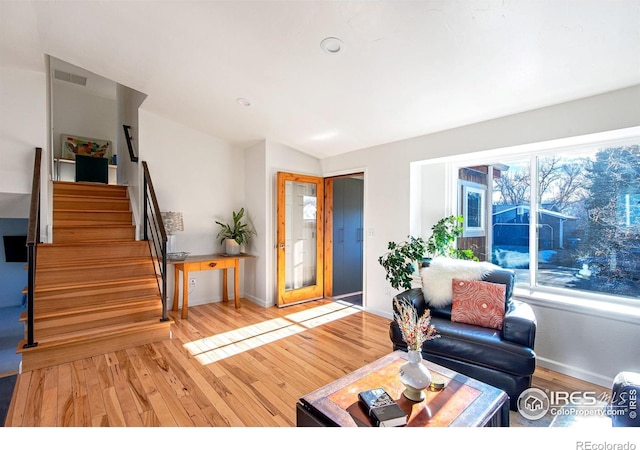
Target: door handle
(212, 264)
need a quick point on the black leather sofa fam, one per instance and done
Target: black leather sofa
(501, 358)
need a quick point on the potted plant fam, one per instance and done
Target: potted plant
(235, 234)
(401, 261)
(443, 238)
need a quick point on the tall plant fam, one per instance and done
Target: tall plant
(401, 259)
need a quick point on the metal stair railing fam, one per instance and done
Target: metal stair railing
(155, 234)
(33, 239)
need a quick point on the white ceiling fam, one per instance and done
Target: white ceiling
(408, 68)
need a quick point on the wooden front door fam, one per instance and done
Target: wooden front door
(300, 237)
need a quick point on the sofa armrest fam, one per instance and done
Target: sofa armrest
(519, 324)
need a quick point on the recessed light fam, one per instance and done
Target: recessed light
(331, 45)
(243, 101)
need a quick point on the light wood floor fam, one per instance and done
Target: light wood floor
(223, 368)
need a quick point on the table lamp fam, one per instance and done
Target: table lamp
(172, 223)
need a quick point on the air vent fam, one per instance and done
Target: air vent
(69, 77)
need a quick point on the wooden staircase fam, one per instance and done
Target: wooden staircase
(96, 290)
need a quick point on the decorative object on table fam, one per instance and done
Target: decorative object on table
(415, 331)
(444, 235)
(235, 234)
(382, 409)
(172, 223)
(402, 261)
(77, 145)
(179, 256)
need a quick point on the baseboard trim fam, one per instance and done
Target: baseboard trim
(575, 372)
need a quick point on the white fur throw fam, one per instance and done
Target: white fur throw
(436, 279)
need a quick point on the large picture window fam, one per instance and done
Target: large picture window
(569, 218)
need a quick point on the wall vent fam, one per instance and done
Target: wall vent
(69, 77)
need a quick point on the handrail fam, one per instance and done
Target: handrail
(154, 228)
(132, 154)
(33, 238)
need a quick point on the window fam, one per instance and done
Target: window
(564, 218)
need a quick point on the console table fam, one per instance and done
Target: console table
(206, 262)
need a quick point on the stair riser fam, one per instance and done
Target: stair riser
(50, 356)
(89, 190)
(91, 218)
(83, 296)
(59, 276)
(74, 235)
(91, 204)
(116, 250)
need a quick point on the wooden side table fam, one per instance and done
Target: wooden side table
(464, 402)
(206, 262)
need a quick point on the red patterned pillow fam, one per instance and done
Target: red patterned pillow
(478, 303)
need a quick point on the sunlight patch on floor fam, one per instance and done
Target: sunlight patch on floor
(220, 346)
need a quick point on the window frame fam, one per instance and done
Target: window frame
(467, 187)
(618, 307)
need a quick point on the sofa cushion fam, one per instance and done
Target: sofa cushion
(481, 346)
(478, 303)
(436, 279)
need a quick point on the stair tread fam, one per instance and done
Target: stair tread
(49, 309)
(96, 333)
(97, 283)
(101, 225)
(87, 244)
(104, 262)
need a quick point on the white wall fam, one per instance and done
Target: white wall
(79, 112)
(129, 173)
(388, 214)
(23, 127)
(200, 176)
(257, 193)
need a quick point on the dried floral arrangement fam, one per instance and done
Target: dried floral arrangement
(415, 330)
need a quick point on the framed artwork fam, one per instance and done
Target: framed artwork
(473, 210)
(78, 145)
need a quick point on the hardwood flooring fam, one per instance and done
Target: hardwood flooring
(223, 367)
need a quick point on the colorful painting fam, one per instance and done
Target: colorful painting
(76, 145)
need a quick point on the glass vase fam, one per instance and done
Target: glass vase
(415, 376)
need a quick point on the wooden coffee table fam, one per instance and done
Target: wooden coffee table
(464, 402)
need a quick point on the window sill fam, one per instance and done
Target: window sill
(580, 305)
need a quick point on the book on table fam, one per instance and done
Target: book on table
(382, 409)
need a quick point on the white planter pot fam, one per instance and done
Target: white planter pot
(231, 247)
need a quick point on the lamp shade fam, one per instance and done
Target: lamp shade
(172, 221)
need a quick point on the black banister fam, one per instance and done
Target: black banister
(155, 233)
(33, 238)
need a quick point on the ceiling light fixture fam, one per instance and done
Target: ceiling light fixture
(243, 101)
(331, 45)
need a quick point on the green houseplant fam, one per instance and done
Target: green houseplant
(401, 261)
(235, 234)
(443, 239)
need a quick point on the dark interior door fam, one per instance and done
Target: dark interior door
(348, 196)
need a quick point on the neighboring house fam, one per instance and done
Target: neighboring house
(511, 227)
